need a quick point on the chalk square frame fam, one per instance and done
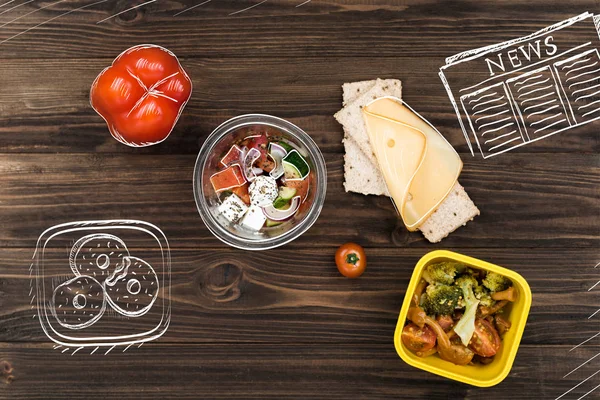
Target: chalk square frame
(112, 226)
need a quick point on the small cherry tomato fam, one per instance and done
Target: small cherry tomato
(418, 339)
(351, 260)
(485, 341)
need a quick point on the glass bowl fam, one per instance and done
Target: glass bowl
(207, 202)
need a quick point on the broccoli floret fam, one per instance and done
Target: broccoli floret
(442, 272)
(441, 299)
(465, 327)
(496, 282)
(467, 281)
(483, 295)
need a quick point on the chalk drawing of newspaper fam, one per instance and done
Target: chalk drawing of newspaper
(526, 89)
(537, 99)
(580, 83)
(492, 118)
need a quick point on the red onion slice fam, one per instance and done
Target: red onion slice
(277, 153)
(249, 159)
(276, 214)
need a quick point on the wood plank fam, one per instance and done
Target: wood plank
(277, 29)
(548, 200)
(50, 112)
(335, 371)
(285, 295)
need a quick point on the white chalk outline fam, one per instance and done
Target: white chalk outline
(151, 91)
(581, 365)
(483, 51)
(7, 3)
(124, 273)
(49, 20)
(31, 12)
(82, 243)
(192, 7)
(124, 11)
(564, 91)
(54, 306)
(585, 362)
(17, 6)
(248, 8)
(95, 226)
(579, 384)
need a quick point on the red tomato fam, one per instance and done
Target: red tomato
(261, 143)
(242, 193)
(418, 339)
(147, 122)
(485, 341)
(351, 260)
(227, 179)
(141, 95)
(233, 156)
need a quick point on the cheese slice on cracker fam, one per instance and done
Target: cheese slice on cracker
(362, 172)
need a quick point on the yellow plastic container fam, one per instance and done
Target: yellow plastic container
(477, 375)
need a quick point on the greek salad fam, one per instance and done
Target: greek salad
(261, 182)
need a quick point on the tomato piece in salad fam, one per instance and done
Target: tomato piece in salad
(233, 156)
(265, 163)
(242, 193)
(228, 178)
(486, 340)
(261, 143)
(418, 339)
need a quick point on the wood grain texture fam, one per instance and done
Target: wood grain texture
(333, 371)
(283, 323)
(415, 28)
(298, 296)
(548, 200)
(50, 112)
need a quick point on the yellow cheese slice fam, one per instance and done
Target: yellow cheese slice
(419, 166)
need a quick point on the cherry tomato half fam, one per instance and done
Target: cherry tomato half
(351, 260)
(485, 341)
(418, 339)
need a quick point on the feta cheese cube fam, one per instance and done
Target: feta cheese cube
(233, 208)
(263, 191)
(254, 218)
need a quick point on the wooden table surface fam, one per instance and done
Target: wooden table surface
(283, 323)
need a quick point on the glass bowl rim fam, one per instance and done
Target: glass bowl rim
(288, 127)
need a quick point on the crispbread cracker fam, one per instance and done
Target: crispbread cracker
(351, 116)
(353, 90)
(360, 175)
(361, 169)
(455, 211)
(361, 172)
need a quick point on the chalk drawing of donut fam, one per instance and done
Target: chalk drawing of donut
(98, 255)
(78, 302)
(133, 291)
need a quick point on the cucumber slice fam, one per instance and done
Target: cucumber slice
(286, 193)
(280, 202)
(290, 172)
(295, 166)
(271, 223)
(286, 146)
